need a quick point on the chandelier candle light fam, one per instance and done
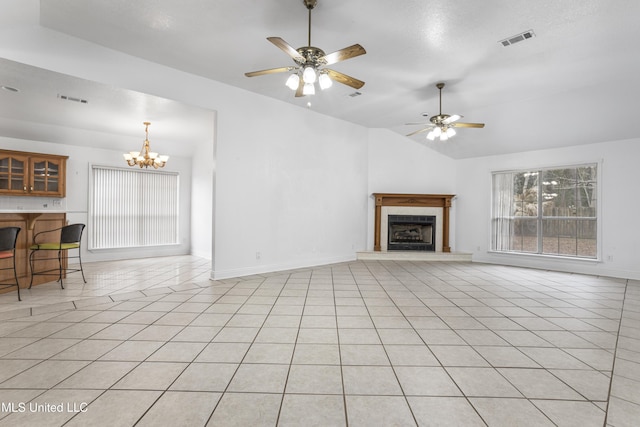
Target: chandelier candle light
(145, 158)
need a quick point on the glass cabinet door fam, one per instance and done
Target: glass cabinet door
(45, 175)
(13, 174)
(5, 164)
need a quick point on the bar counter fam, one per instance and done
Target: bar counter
(30, 222)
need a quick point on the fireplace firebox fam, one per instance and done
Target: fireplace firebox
(411, 233)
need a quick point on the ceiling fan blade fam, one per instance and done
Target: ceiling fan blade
(286, 48)
(420, 131)
(343, 54)
(467, 125)
(344, 79)
(269, 71)
(451, 119)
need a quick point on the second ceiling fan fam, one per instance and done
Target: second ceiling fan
(310, 62)
(442, 125)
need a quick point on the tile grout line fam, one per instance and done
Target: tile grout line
(380, 338)
(404, 282)
(395, 374)
(422, 339)
(615, 355)
(163, 392)
(295, 343)
(225, 391)
(138, 363)
(335, 311)
(491, 365)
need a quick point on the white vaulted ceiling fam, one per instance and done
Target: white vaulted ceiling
(574, 83)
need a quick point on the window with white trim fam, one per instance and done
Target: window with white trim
(132, 208)
(550, 211)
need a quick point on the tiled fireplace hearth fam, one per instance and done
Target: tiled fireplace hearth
(419, 206)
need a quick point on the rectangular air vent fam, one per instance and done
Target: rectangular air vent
(354, 94)
(71, 98)
(517, 38)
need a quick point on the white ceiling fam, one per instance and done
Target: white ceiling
(574, 83)
(112, 118)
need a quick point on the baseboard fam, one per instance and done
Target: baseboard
(414, 256)
(273, 268)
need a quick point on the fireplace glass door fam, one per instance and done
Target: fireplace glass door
(412, 233)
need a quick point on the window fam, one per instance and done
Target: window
(132, 208)
(546, 211)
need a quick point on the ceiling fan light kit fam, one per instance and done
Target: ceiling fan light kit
(309, 74)
(293, 81)
(325, 81)
(310, 64)
(442, 126)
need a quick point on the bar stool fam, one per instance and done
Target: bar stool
(8, 239)
(70, 236)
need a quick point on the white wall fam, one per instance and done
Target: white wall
(77, 202)
(203, 173)
(290, 191)
(401, 165)
(619, 206)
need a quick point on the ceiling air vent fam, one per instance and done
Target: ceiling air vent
(71, 98)
(354, 94)
(517, 38)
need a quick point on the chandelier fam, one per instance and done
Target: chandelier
(145, 157)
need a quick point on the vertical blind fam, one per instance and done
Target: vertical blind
(503, 202)
(132, 208)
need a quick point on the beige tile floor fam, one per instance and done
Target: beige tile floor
(367, 343)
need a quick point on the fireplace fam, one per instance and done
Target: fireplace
(411, 233)
(422, 205)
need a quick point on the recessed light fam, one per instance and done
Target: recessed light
(9, 89)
